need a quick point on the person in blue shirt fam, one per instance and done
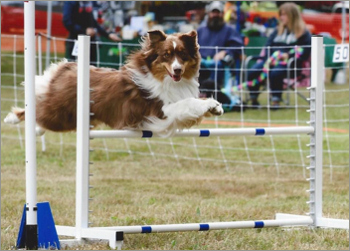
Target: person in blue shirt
(291, 31)
(215, 32)
(78, 19)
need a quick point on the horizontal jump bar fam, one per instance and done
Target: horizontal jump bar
(205, 132)
(209, 226)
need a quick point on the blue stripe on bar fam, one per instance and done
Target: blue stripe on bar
(146, 229)
(204, 133)
(259, 224)
(259, 131)
(203, 227)
(147, 134)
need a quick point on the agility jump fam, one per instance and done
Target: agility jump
(115, 234)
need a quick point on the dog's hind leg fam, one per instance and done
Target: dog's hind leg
(16, 116)
(39, 131)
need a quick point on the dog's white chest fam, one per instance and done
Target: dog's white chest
(168, 91)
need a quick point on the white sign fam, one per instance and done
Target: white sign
(341, 53)
(75, 49)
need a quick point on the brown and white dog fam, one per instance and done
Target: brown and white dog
(156, 90)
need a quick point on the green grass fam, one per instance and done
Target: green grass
(137, 189)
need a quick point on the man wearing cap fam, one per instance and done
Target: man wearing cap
(217, 33)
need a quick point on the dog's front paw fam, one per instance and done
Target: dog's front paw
(215, 108)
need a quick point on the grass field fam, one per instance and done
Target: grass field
(137, 189)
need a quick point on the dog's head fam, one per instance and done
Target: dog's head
(176, 55)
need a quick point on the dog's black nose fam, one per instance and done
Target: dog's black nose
(177, 71)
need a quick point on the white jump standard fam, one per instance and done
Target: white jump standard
(114, 234)
(31, 226)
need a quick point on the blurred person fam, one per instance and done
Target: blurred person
(215, 32)
(78, 19)
(230, 13)
(290, 31)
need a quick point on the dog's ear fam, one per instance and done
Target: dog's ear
(156, 36)
(190, 39)
(191, 42)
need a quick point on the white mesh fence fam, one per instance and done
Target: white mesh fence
(234, 154)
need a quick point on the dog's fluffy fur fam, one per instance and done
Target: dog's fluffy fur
(156, 90)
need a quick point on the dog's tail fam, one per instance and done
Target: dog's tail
(16, 116)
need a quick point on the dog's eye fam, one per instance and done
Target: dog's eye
(166, 55)
(182, 54)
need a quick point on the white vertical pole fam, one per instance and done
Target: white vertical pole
(48, 31)
(343, 14)
(40, 68)
(83, 127)
(29, 77)
(317, 82)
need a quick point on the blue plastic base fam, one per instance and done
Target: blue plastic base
(47, 234)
